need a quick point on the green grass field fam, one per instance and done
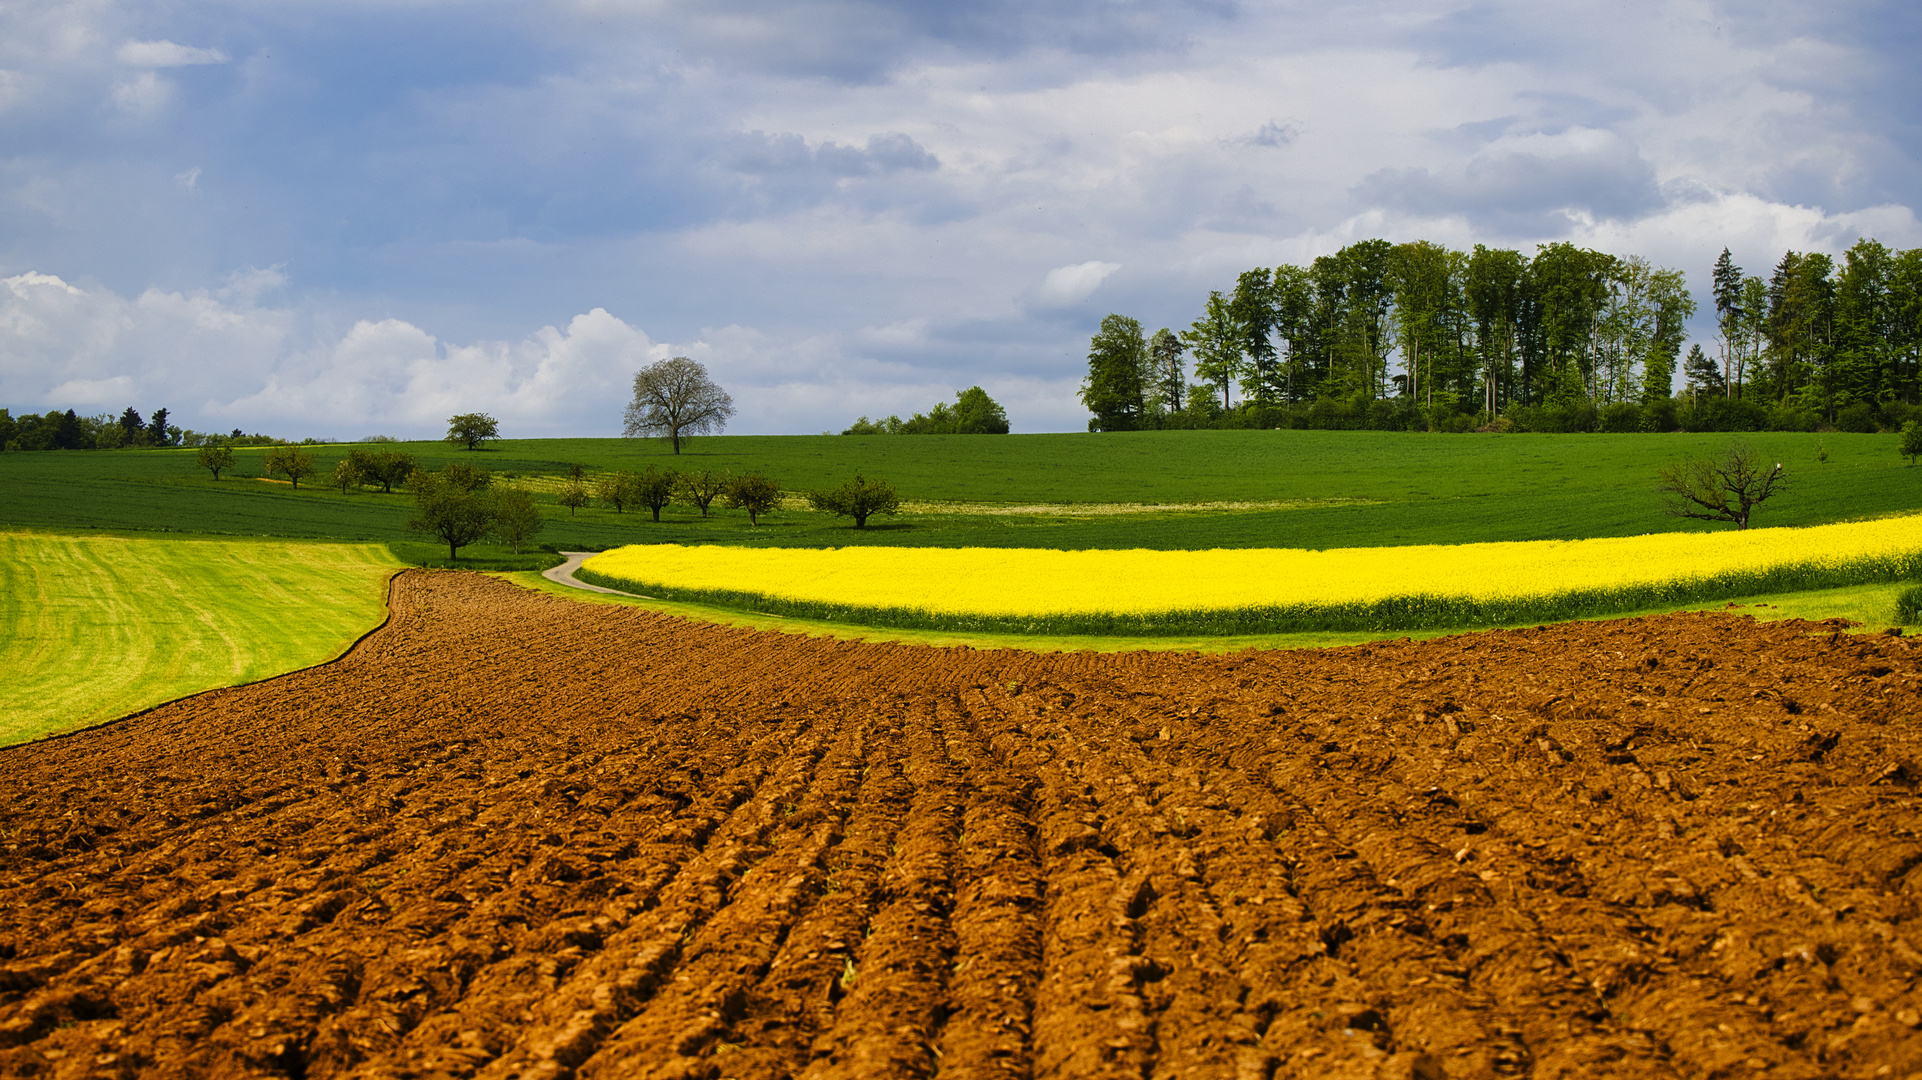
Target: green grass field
(1348, 489)
(94, 627)
(208, 583)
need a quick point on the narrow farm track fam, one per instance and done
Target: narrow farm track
(511, 836)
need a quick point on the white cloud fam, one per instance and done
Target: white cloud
(144, 93)
(164, 54)
(1071, 284)
(189, 179)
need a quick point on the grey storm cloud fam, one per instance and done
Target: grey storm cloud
(865, 41)
(1534, 185)
(760, 153)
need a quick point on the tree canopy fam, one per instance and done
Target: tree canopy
(674, 399)
(472, 430)
(973, 413)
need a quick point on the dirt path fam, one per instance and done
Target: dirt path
(513, 836)
(564, 575)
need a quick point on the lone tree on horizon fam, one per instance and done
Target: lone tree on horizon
(1728, 489)
(472, 429)
(674, 399)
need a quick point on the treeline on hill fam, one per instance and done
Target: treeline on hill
(973, 413)
(57, 430)
(1418, 336)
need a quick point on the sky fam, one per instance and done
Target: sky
(338, 218)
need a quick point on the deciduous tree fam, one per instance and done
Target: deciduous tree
(215, 457)
(1725, 489)
(702, 488)
(859, 498)
(515, 520)
(573, 496)
(654, 488)
(472, 430)
(1912, 441)
(674, 399)
(346, 473)
(448, 505)
(754, 493)
(616, 489)
(298, 464)
(1113, 390)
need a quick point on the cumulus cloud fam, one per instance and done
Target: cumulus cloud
(164, 54)
(1073, 284)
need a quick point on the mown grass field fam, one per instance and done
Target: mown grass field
(94, 627)
(1344, 489)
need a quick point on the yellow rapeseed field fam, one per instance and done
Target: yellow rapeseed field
(1033, 582)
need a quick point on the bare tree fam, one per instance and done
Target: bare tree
(675, 399)
(1728, 489)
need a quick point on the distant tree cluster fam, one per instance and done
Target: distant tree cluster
(68, 430)
(973, 413)
(1420, 336)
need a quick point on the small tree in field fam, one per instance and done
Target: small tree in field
(573, 496)
(1725, 489)
(298, 464)
(616, 489)
(1912, 441)
(472, 429)
(386, 468)
(516, 520)
(346, 473)
(701, 488)
(754, 493)
(858, 498)
(452, 508)
(654, 488)
(215, 457)
(675, 399)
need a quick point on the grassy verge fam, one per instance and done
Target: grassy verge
(94, 627)
(1873, 606)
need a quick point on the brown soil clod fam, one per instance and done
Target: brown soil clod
(513, 836)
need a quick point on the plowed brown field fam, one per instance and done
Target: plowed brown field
(513, 836)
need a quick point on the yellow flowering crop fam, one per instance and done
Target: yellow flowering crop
(1027, 582)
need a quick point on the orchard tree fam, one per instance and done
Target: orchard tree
(754, 493)
(298, 464)
(1725, 489)
(1912, 441)
(346, 474)
(386, 468)
(674, 399)
(573, 496)
(858, 498)
(616, 489)
(515, 518)
(1113, 390)
(215, 457)
(450, 505)
(472, 430)
(701, 488)
(654, 488)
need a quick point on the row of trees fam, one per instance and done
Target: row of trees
(1420, 335)
(973, 413)
(68, 430)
